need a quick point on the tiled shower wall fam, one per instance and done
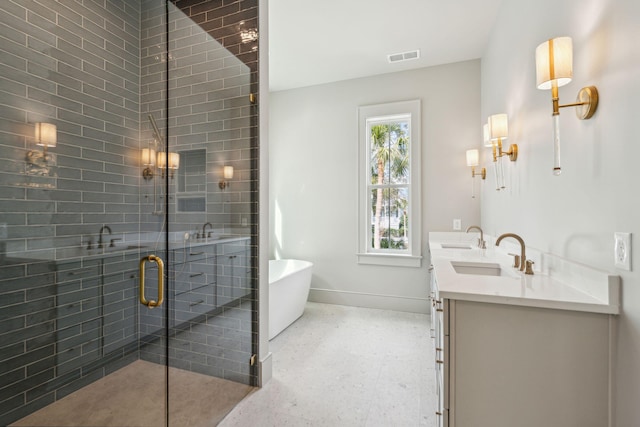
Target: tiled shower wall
(84, 66)
(69, 319)
(212, 72)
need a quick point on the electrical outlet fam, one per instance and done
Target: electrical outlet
(457, 224)
(622, 250)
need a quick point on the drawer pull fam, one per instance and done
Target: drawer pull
(196, 303)
(439, 309)
(196, 275)
(195, 253)
(438, 413)
(438, 349)
(440, 362)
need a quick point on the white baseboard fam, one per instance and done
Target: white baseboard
(358, 299)
(266, 370)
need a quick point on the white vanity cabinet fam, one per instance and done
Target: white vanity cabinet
(501, 365)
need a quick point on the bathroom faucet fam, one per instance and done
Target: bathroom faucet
(203, 230)
(100, 242)
(481, 243)
(523, 258)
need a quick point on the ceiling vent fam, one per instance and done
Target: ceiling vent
(404, 56)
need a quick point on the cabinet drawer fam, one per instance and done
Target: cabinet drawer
(191, 304)
(73, 271)
(193, 253)
(195, 277)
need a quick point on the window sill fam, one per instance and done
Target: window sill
(390, 260)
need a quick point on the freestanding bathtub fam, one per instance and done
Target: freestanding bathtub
(289, 284)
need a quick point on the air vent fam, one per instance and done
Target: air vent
(404, 56)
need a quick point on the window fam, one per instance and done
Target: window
(389, 184)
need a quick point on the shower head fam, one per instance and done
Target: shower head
(156, 132)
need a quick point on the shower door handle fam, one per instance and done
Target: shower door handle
(143, 299)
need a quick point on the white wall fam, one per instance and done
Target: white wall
(573, 215)
(313, 163)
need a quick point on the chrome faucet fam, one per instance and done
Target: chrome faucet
(522, 260)
(100, 242)
(203, 230)
(481, 243)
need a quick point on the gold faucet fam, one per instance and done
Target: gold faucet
(481, 242)
(523, 257)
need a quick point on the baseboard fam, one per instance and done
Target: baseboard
(266, 370)
(359, 299)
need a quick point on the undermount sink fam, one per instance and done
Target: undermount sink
(478, 268)
(455, 246)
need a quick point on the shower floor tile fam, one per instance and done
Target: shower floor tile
(134, 396)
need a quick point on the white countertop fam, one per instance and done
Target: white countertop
(577, 287)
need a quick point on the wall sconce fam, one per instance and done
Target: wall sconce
(486, 137)
(227, 173)
(174, 163)
(148, 161)
(554, 68)
(498, 131)
(45, 135)
(473, 158)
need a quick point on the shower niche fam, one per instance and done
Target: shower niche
(191, 181)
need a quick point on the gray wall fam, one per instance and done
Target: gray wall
(313, 162)
(573, 215)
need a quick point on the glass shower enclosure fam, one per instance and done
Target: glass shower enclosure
(128, 211)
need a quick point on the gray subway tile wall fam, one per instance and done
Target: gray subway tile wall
(96, 70)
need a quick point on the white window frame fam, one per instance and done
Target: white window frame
(412, 256)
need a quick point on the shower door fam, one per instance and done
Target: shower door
(127, 279)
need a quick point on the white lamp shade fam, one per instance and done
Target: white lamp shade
(472, 157)
(486, 138)
(148, 157)
(554, 61)
(46, 134)
(227, 172)
(174, 160)
(498, 126)
(162, 160)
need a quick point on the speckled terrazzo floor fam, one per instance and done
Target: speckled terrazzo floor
(134, 397)
(346, 366)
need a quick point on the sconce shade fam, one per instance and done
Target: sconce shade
(554, 62)
(162, 160)
(486, 138)
(148, 157)
(228, 172)
(46, 134)
(498, 126)
(472, 157)
(174, 160)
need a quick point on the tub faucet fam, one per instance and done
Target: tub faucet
(481, 243)
(100, 242)
(203, 230)
(522, 261)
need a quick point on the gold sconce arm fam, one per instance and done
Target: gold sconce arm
(586, 102)
(482, 173)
